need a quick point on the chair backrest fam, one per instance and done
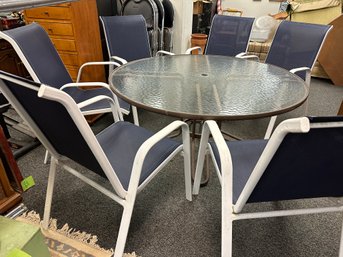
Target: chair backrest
(296, 45)
(51, 121)
(38, 54)
(229, 35)
(304, 165)
(126, 36)
(153, 11)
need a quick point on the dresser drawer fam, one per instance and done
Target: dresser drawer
(64, 44)
(54, 12)
(69, 59)
(58, 29)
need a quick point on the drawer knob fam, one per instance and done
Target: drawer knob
(46, 13)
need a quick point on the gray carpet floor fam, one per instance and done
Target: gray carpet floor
(164, 223)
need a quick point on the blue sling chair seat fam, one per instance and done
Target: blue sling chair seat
(302, 159)
(127, 155)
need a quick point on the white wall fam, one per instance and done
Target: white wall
(252, 8)
(182, 25)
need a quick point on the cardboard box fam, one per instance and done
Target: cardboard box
(331, 55)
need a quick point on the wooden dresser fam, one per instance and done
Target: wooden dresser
(74, 29)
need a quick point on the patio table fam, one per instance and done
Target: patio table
(203, 87)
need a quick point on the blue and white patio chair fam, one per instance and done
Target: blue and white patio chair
(42, 61)
(127, 40)
(127, 155)
(302, 159)
(295, 47)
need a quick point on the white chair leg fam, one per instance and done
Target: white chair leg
(46, 157)
(49, 193)
(341, 243)
(187, 164)
(226, 246)
(201, 158)
(135, 115)
(308, 83)
(123, 229)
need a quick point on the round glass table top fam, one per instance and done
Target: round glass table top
(208, 87)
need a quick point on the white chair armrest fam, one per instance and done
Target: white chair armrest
(149, 143)
(240, 54)
(86, 84)
(162, 52)
(295, 70)
(307, 76)
(246, 56)
(117, 116)
(94, 63)
(95, 84)
(189, 50)
(119, 59)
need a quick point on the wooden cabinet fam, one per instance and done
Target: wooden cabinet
(74, 30)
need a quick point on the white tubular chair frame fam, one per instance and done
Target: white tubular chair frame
(232, 212)
(121, 196)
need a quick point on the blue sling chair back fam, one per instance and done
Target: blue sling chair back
(127, 40)
(229, 35)
(302, 159)
(127, 155)
(126, 37)
(42, 61)
(295, 47)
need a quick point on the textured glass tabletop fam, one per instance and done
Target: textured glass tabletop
(208, 87)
